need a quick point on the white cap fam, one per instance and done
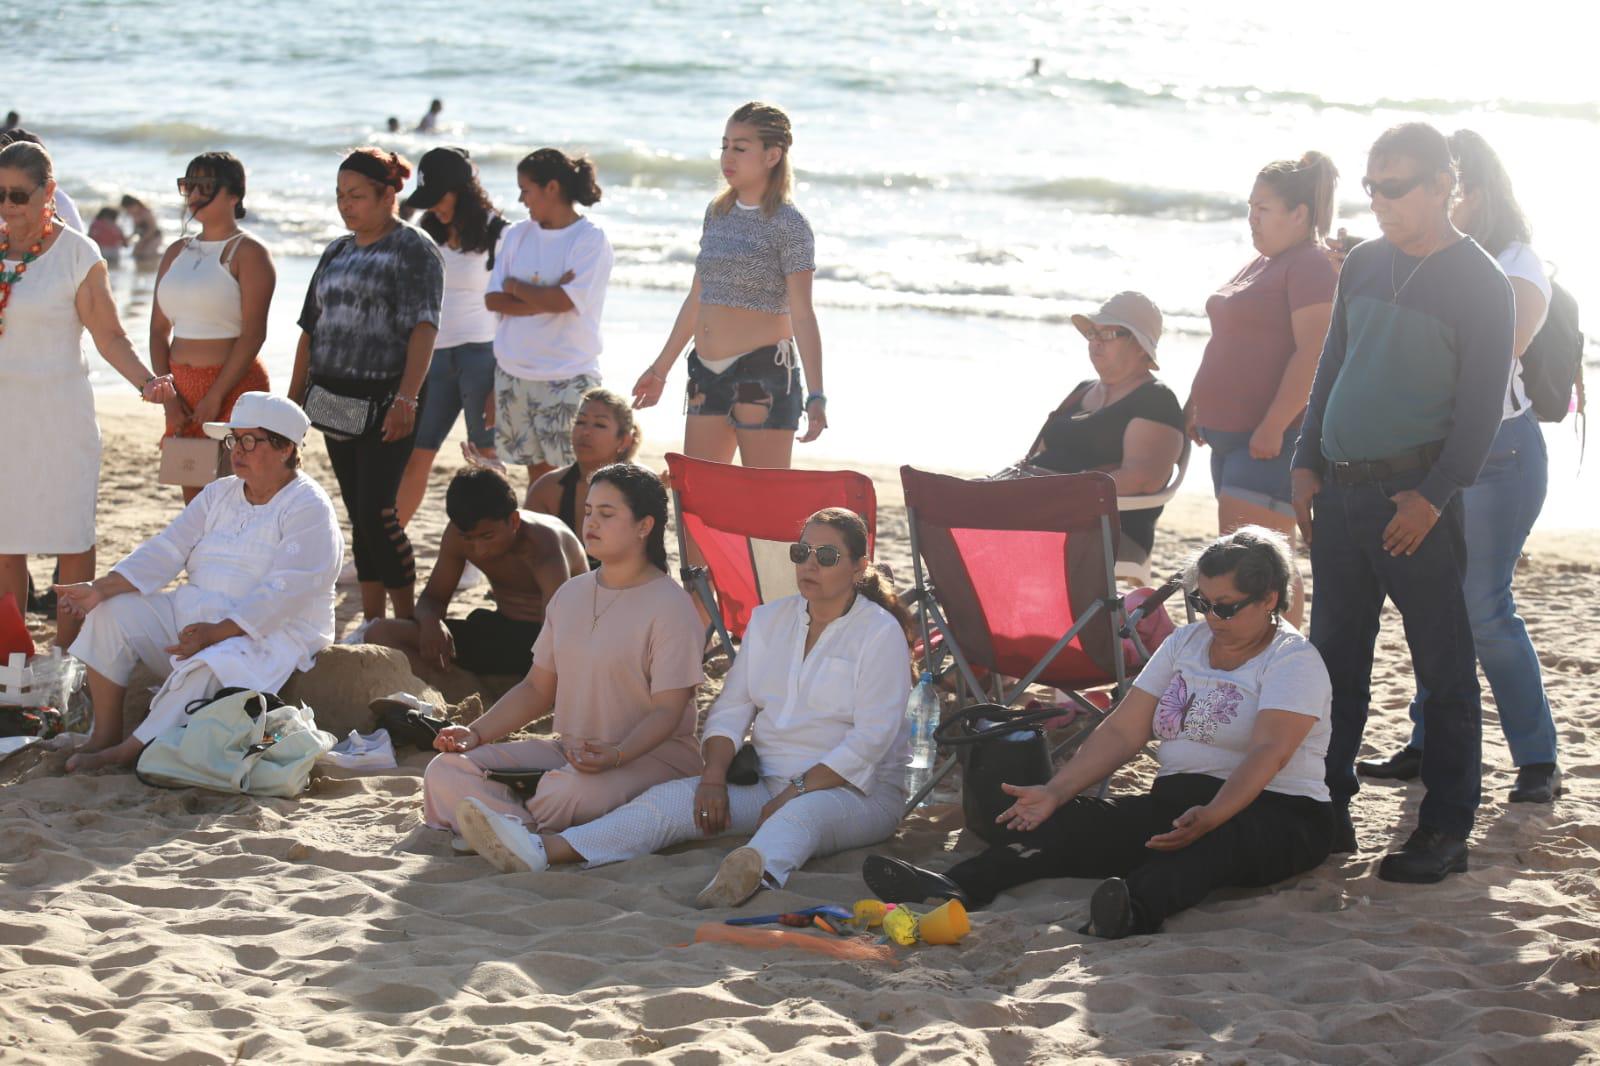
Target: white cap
(262, 410)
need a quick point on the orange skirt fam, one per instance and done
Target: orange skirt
(194, 382)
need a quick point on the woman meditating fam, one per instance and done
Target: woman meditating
(824, 676)
(617, 660)
(1239, 708)
(261, 551)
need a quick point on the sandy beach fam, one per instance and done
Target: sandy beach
(143, 925)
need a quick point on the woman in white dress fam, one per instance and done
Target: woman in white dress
(261, 551)
(53, 284)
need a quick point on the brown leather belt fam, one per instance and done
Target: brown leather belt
(1367, 471)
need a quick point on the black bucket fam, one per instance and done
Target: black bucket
(996, 746)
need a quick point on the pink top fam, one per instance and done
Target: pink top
(1252, 339)
(611, 650)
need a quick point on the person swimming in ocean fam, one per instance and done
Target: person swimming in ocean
(430, 121)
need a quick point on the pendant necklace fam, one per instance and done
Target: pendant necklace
(596, 611)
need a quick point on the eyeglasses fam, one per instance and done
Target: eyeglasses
(245, 441)
(1393, 188)
(1223, 611)
(800, 551)
(202, 186)
(1107, 334)
(18, 197)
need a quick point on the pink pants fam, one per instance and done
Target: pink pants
(565, 797)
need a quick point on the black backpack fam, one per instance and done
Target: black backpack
(1553, 364)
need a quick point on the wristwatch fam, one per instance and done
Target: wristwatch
(799, 783)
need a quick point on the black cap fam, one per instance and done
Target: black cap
(440, 170)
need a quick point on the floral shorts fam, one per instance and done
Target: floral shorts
(533, 419)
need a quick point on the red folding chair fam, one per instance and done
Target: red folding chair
(743, 520)
(1017, 578)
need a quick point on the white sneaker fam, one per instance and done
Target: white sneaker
(347, 575)
(500, 838)
(737, 879)
(471, 578)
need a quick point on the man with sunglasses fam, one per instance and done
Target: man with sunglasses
(1405, 405)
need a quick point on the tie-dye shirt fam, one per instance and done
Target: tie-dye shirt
(1205, 716)
(363, 303)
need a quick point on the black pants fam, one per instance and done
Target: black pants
(369, 472)
(1272, 839)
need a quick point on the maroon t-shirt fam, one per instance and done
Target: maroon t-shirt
(1252, 339)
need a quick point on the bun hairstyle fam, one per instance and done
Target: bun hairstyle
(775, 131)
(375, 164)
(875, 584)
(1310, 181)
(30, 158)
(1499, 220)
(1258, 558)
(225, 169)
(576, 177)
(646, 497)
(622, 411)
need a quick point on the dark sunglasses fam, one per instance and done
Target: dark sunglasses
(18, 197)
(1392, 189)
(1106, 333)
(1224, 611)
(800, 551)
(245, 441)
(203, 186)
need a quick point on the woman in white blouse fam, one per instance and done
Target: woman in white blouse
(824, 677)
(261, 549)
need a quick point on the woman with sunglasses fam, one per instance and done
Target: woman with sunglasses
(615, 665)
(212, 295)
(53, 285)
(1239, 707)
(260, 551)
(824, 677)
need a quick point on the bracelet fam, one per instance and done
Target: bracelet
(408, 402)
(816, 397)
(145, 384)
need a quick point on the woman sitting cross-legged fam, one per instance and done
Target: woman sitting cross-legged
(1239, 707)
(824, 677)
(617, 660)
(261, 551)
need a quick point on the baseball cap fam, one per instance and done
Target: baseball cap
(265, 411)
(440, 170)
(1134, 312)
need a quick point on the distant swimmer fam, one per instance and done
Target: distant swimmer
(394, 124)
(430, 121)
(146, 230)
(105, 232)
(13, 120)
(1038, 65)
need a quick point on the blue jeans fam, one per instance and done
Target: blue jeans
(1500, 510)
(460, 380)
(1352, 574)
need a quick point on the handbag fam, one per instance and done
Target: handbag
(189, 461)
(996, 746)
(240, 741)
(343, 417)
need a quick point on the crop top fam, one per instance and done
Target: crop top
(199, 294)
(746, 257)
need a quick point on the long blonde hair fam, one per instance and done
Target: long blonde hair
(775, 131)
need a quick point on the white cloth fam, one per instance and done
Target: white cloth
(817, 823)
(559, 346)
(49, 439)
(67, 211)
(1519, 261)
(270, 568)
(462, 317)
(1205, 716)
(844, 705)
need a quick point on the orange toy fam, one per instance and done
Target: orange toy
(739, 936)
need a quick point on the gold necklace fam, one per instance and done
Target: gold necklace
(596, 611)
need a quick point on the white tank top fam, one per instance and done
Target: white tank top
(199, 294)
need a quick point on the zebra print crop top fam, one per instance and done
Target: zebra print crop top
(745, 257)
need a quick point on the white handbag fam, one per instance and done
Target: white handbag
(239, 741)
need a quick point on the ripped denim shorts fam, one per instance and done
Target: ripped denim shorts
(767, 377)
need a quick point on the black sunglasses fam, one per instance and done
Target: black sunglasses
(203, 186)
(800, 551)
(18, 197)
(1224, 611)
(1106, 333)
(1393, 188)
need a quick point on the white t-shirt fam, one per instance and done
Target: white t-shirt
(462, 317)
(1519, 261)
(67, 211)
(1204, 716)
(559, 346)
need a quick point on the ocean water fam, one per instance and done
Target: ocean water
(963, 207)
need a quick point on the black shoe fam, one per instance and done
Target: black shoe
(1110, 910)
(1344, 832)
(1538, 782)
(1403, 765)
(897, 881)
(1427, 857)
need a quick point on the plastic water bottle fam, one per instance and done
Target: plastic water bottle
(922, 715)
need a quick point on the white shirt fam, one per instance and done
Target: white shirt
(553, 347)
(270, 567)
(1519, 261)
(67, 211)
(844, 705)
(1205, 716)
(462, 317)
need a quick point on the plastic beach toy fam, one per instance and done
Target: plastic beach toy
(797, 919)
(945, 924)
(857, 950)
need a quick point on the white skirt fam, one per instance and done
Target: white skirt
(49, 465)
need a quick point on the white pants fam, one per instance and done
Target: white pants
(129, 629)
(816, 823)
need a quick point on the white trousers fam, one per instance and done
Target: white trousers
(816, 823)
(129, 629)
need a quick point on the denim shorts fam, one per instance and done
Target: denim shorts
(1262, 482)
(460, 379)
(768, 376)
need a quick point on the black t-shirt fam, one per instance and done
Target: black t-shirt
(1074, 440)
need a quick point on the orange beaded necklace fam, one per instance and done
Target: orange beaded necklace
(8, 278)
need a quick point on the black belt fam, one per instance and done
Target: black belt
(1366, 471)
